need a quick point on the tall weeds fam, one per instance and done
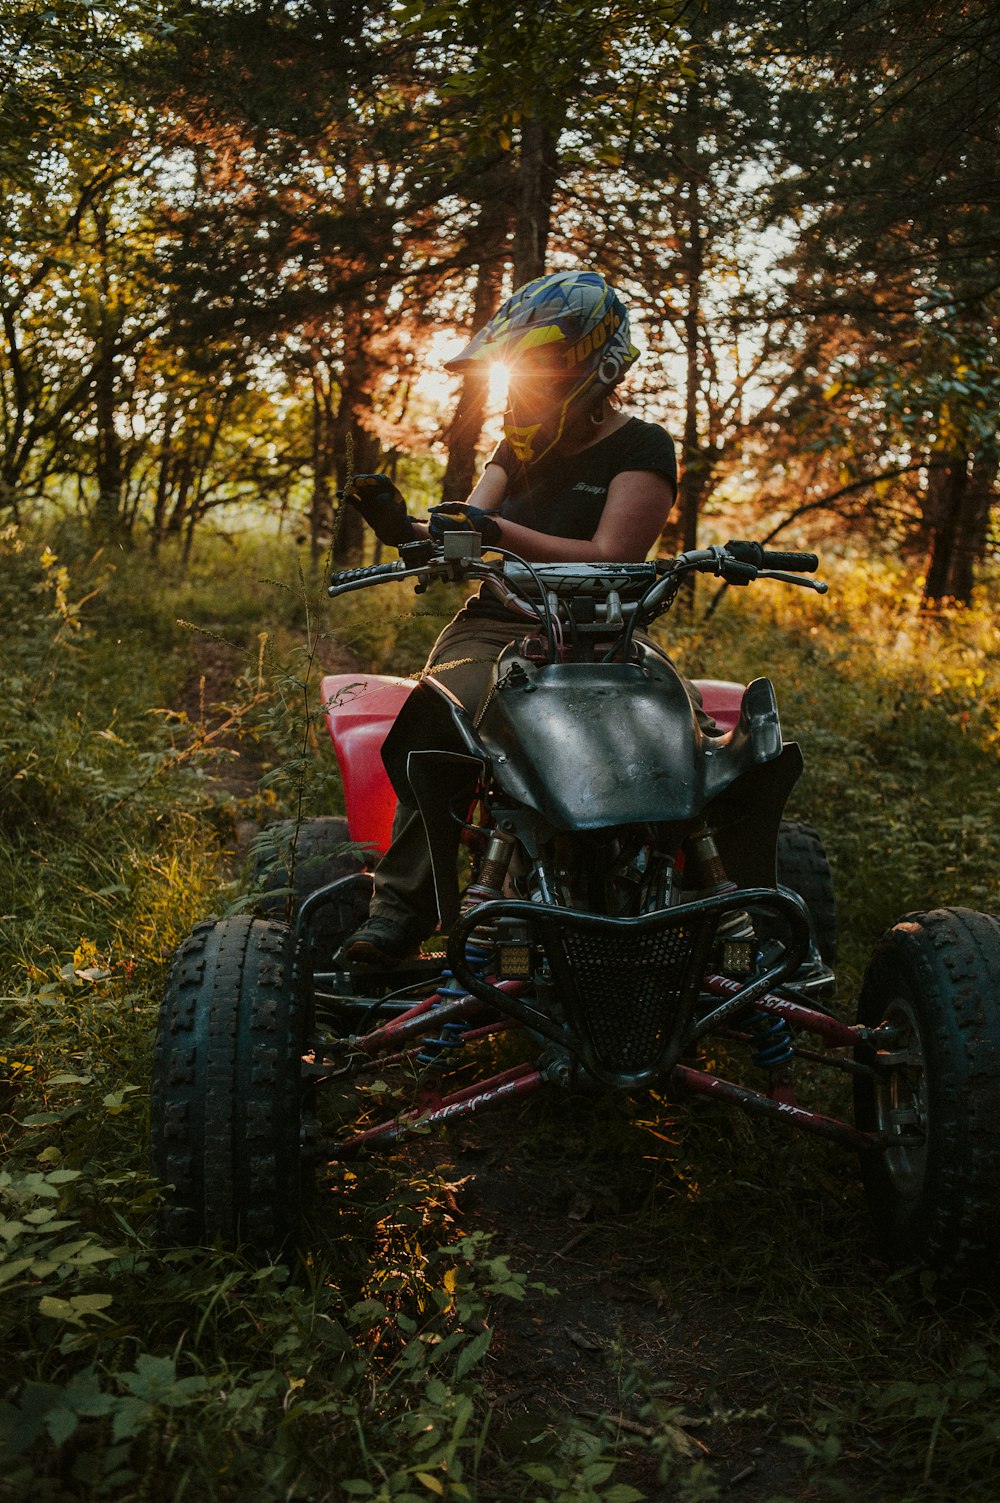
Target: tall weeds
(137, 1371)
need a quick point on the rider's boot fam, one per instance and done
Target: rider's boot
(380, 941)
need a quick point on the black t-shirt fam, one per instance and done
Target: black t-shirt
(564, 494)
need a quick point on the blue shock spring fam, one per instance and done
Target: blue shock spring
(440, 1051)
(773, 1039)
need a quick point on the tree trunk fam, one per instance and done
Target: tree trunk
(956, 514)
(466, 425)
(323, 457)
(695, 462)
(108, 465)
(537, 176)
(164, 480)
(183, 475)
(349, 434)
(972, 527)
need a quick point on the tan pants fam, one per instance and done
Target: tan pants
(462, 658)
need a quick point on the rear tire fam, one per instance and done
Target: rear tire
(306, 856)
(933, 1193)
(229, 1105)
(803, 866)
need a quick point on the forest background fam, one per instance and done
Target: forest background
(238, 242)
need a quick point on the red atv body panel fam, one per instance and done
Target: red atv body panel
(360, 710)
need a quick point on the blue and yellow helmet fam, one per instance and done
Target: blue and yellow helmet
(565, 340)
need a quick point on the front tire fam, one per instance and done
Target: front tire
(304, 856)
(803, 867)
(229, 1104)
(935, 979)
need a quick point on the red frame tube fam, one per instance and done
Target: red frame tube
(383, 1061)
(519, 1080)
(412, 1022)
(523, 1079)
(704, 1084)
(833, 1030)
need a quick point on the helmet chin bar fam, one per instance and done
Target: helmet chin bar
(529, 442)
(532, 441)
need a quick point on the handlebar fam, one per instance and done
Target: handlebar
(770, 558)
(346, 580)
(641, 590)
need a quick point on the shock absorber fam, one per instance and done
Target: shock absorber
(479, 947)
(440, 1052)
(773, 1038)
(735, 933)
(486, 887)
(492, 872)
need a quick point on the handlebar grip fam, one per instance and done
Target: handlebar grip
(768, 558)
(355, 579)
(795, 563)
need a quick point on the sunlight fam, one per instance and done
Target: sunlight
(440, 388)
(499, 380)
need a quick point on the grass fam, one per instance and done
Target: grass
(143, 1372)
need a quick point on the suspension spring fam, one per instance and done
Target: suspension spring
(440, 1051)
(773, 1038)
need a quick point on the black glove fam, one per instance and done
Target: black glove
(382, 507)
(458, 518)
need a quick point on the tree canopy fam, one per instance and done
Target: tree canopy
(238, 238)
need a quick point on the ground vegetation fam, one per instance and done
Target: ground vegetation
(586, 1298)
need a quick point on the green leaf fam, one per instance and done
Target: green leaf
(432, 1484)
(73, 1310)
(89, 1304)
(597, 1472)
(61, 1424)
(472, 1353)
(14, 1269)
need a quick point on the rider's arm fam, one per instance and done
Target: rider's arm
(490, 488)
(634, 514)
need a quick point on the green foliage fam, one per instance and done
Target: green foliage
(895, 708)
(144, 1371)
(150, 1371)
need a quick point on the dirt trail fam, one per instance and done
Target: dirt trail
(211, 688)
(553, 1211)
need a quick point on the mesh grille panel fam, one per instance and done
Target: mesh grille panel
(629, 994)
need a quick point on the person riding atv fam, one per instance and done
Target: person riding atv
(576, 479)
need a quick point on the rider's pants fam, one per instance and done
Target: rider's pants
(462, 658)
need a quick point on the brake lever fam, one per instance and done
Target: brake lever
(819, 585)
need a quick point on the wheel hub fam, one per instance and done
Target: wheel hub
(901, 1101)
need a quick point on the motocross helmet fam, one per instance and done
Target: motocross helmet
(565, 340)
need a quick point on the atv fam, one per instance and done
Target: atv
(634, 894)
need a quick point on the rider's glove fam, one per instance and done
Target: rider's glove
(457, 518)
(382, 507)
